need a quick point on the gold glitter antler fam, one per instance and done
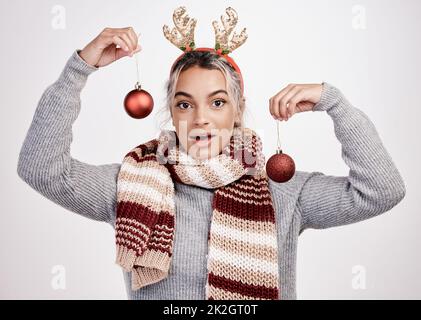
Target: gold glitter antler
(182, 36)
(222, 34)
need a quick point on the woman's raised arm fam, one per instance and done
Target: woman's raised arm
(45, 162)
(374, 184)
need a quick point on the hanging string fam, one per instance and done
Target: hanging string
(279, 137)
(138, 84)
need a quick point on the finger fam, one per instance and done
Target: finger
(127, 40)
(284, 103)
(115, 30)
(133, 37)
(271, 108)
(299, 96)
(278, 98)
(139, 48)
(120, 53)
(120, 42)
(272, 104)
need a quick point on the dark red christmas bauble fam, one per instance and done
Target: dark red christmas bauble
(280, 167)
(138, 103)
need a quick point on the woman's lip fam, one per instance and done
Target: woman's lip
(202, 141)
(201, 137)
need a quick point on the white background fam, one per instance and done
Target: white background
(377, 67)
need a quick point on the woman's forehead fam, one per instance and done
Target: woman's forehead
(201, 81)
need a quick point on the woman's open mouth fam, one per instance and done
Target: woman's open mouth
(202, 140)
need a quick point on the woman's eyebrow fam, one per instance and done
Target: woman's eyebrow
(182, 93)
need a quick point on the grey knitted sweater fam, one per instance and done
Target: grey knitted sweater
(308, 200)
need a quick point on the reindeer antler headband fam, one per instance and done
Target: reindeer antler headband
(182, 36)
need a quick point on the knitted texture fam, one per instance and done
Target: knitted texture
(242, 254)
(310, 200)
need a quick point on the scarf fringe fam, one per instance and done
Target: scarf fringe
(125, 257)
(152, 266)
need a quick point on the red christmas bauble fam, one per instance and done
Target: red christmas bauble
(280, 167)
(138, 103)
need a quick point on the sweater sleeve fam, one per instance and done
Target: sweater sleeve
(45, 162)
(373, 185)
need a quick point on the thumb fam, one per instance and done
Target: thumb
(120, 53)
(138, 48)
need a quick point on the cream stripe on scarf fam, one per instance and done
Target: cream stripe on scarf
(151, 172)
(259, 238)
(220, 170)
(146, 191)
(219, 269)
(242, 247)
(244, 262)
(193, 175)
(242, 224)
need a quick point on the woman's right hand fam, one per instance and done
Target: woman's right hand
(102, 50)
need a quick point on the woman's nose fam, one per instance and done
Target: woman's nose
(200, 117)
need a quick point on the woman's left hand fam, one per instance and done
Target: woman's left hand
(294, 98)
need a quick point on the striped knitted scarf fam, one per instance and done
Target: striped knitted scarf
(242, 260)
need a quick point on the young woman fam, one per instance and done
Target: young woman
(216, 235)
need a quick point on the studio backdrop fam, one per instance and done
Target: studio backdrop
(367, 49)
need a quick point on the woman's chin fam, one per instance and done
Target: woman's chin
(202, 153)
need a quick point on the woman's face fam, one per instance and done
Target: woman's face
(201, 106)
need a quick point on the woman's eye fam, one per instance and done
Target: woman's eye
(182, 103)
(220, 100)
(219, 104)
